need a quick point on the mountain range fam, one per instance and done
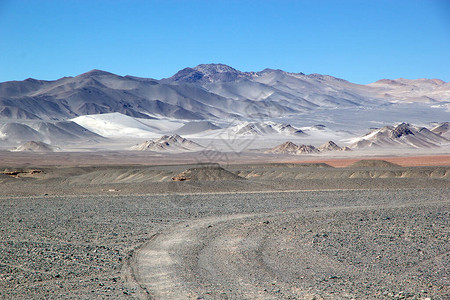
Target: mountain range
(293, 149)
(401, 135)
(210, 91)
(216, 101)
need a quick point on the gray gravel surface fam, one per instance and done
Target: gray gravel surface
(363, 244)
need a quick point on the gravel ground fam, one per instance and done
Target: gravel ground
(360, 244)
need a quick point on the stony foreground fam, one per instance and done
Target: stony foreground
(363, 244)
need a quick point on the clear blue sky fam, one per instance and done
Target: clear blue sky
(361, 41)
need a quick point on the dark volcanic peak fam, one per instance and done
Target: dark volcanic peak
(210, 69)
(208, 73)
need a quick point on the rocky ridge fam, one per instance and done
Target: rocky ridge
(169, 143)
(293, 149)
(400, 135)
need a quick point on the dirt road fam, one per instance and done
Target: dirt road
(340, 251)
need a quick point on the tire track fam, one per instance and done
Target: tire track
(223, 257)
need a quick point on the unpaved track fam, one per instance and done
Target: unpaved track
(362, 251)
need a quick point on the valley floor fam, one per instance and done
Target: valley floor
(282, 231)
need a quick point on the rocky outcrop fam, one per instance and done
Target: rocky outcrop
(332, 146)
(293, 149)
(167, 143)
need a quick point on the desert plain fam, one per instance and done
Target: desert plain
(91, 226)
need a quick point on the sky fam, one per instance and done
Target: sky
(360, 41)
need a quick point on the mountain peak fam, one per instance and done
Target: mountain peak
(208, 73)
(332, 146)
(215, 68)
(400, 130)
(96, 72)
(291, 148)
